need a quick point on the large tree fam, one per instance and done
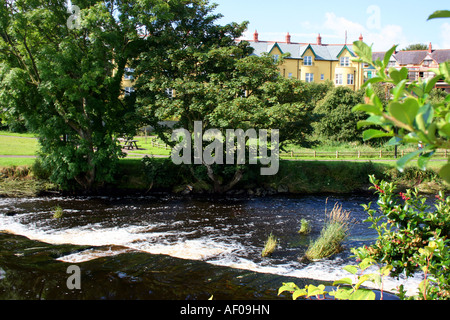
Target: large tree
(200, 73)
(62, 69)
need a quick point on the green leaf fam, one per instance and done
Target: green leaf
(346, 281)
(395, 141)
(388, 56)
(369, 108)
(373, 80)
(363, 51)
(404, 112)
(366, 263)
(290, 287)
(406, 159)
(363, 294)
(299, 293)
(343, 293)
(445, 172)
(351, 269)
(399, 90)
(440, 14)
(445, 130)
(423, 160)
(431, 83)
(373, 133)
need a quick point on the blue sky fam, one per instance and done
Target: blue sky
(382, 23)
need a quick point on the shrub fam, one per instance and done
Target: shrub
(412, 236)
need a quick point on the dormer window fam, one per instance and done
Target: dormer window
(427, 62)
(307, 61)
(345, 61)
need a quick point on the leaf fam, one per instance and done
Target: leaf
(290, 287)
(369, 108)
(404, 112)
(366, 263)
(346, 281)
(440, 14)
(373, 133)
(395, 141)
(445, 172)
(363, 51)
(299, 293)
(423, 160)
(406, 159)
(343, 293)
(363, 294)
(431, 83)
(351, 269)
(388, 56)
(445, 130)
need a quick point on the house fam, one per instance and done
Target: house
(314, 62)
(418, 62)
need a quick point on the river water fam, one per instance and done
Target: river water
(202, 245)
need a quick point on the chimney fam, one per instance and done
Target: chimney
(288, 38)
(255, 36)
(319, 40)
(361, 38)
(430, 48)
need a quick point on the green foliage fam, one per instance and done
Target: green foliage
(417, 46)
(58, 213)
(66, 83)
(411, 116)
(350, 291)
(336, 120)
(412, 236)
(305, 227)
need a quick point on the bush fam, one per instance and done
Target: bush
(412, 236)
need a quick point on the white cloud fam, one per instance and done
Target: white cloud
(382, 38)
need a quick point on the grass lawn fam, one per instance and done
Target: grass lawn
(10, 162)
(18, 146)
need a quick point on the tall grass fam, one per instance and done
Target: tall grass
(270, 246)
(335, 231)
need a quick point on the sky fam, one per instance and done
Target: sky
(382, 23)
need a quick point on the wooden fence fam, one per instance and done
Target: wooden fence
(357, 154)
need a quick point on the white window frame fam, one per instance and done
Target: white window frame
(308, 61)
(339, 79)
(345, 62)
(309, 77)
(128, 91)
(169, 92)
(128, 75)
(322, 76)
(350, 79)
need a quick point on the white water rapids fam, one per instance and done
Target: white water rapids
(229, 233)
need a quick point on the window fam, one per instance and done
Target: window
(307, 61)
(169, 92)
(322, 77)
(392, 63)
(345, 61)
(427, 62)
(290, 75)
(128, 91)
(128, 75)
(350, 79)
(276, 57)
(339, 78)
(309, 77)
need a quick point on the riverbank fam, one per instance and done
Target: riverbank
(294, 177)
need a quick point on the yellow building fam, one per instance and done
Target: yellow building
(314, 62)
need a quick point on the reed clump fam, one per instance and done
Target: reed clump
(335, 231)
(269, 246)
(305, 227)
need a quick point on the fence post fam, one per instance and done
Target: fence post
(359, 154)
(314, 154)
(292, 154)
(337, 154)
(381, 154)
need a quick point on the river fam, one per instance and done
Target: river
(170, 247)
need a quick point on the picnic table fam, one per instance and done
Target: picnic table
(129, 143)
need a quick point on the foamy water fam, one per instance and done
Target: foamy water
(193, 237)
